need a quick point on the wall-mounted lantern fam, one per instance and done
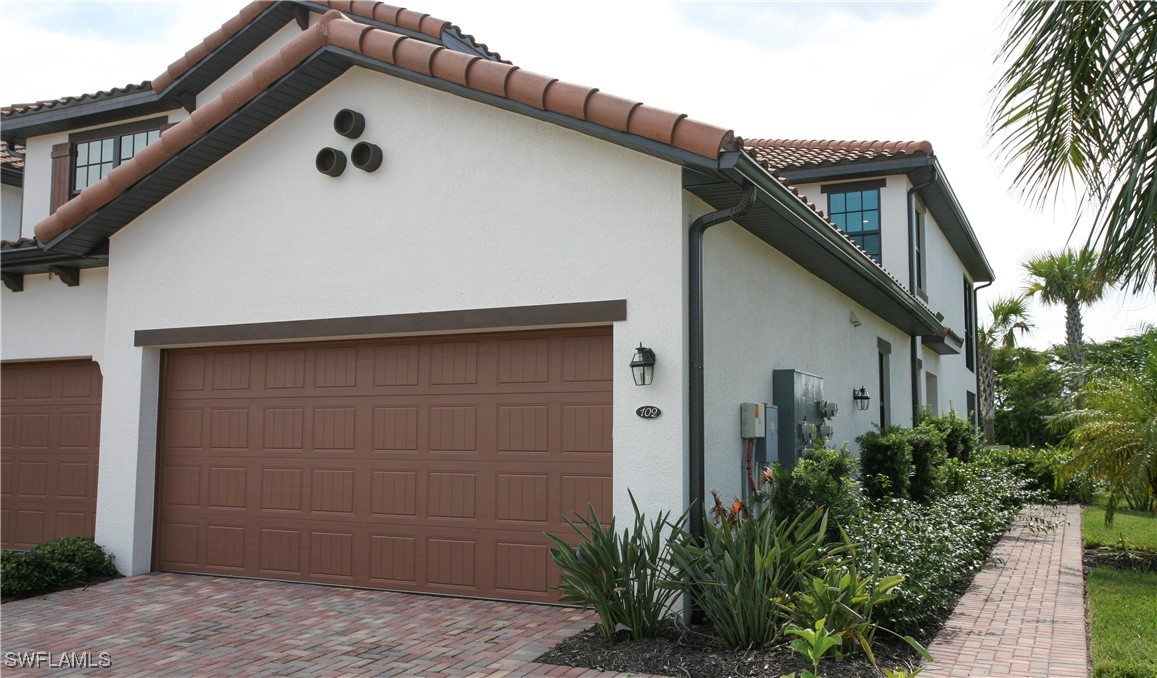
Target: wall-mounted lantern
(861, 398)
(643, 366)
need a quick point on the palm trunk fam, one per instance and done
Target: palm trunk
(987, 395)
(1075, 340)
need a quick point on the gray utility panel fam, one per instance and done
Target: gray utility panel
(795, 395)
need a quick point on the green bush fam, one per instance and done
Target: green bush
(938, 546)
(886, 463)
(928, 459)
(822, 478)
(961, 437)
(1040, 469)
(624, 578)
(54, 566)
(747, 568)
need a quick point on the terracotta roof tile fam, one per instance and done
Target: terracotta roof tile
(12, 157)
(16, 109)
(336, 29)
(781, 154)
(17, 244)
(375, 11)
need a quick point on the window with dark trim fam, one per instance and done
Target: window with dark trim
(884, 369)
(857, 213)
(95, 153)
(970, 398)
(969, 326)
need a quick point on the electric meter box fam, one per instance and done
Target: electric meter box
(796, 394)
(752, 420)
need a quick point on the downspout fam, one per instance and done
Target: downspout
(912, 284)
(695, 348)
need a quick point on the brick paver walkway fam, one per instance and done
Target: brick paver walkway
(188, 625)
(1024, 617)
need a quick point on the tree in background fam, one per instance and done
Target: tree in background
(1077, 105)
(1071, 278)
(1009, 316)
(1114, 435)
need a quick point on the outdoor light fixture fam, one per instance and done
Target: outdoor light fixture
(643, 366)
(860, 395)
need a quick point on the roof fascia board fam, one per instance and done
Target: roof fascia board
(888, 166)
(779, 198)
(85, 114)
(984, 272)
(631, 141)
(226, 56)
(12, 177)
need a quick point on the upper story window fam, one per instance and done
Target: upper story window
(87, 157)
(95, 159)
(855, 209)
(95, 153)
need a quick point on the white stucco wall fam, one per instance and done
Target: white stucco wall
(10, 199)
(765, 312)
(49, 320)
(473, 207)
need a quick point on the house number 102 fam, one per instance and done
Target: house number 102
(649, 412)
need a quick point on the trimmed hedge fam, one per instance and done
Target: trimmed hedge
(54, 566)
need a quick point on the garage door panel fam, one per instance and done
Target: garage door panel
(415, 464)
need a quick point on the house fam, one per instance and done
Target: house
(344, 297)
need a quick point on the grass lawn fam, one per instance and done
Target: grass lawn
(1123, 622)
(1122, 603)
(1138, 528)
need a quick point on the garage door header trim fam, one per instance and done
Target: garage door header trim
(440, 321)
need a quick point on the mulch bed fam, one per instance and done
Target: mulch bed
(1137, 560)
(692, 651)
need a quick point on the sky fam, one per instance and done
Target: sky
(785, 70)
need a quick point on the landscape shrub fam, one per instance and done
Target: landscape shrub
(938, 546)
(747, 568)
(624, 578)
(54, 566)
(822, 478)
(928, 459)
(886, 463)
(1040, 469)
(961, 437)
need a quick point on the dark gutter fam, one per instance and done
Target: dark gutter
(11, 176)
(698, 228)
(66, 116)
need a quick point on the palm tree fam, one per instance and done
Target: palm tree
(1115, 434)
(1077, 106)
(1071, 278)
(1009, 316)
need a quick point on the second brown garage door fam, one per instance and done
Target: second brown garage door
(412, 464)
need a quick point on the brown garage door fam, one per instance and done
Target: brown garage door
(49, 448)
(431, 464)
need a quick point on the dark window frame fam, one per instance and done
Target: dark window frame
(921, 252)
(859, 236)
(884, 380)
(114, 132)
(969, 326)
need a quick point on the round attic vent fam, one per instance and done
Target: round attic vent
(349, 123)
(330, 161)
(366, 156)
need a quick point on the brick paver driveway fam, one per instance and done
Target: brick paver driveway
(188, 625)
